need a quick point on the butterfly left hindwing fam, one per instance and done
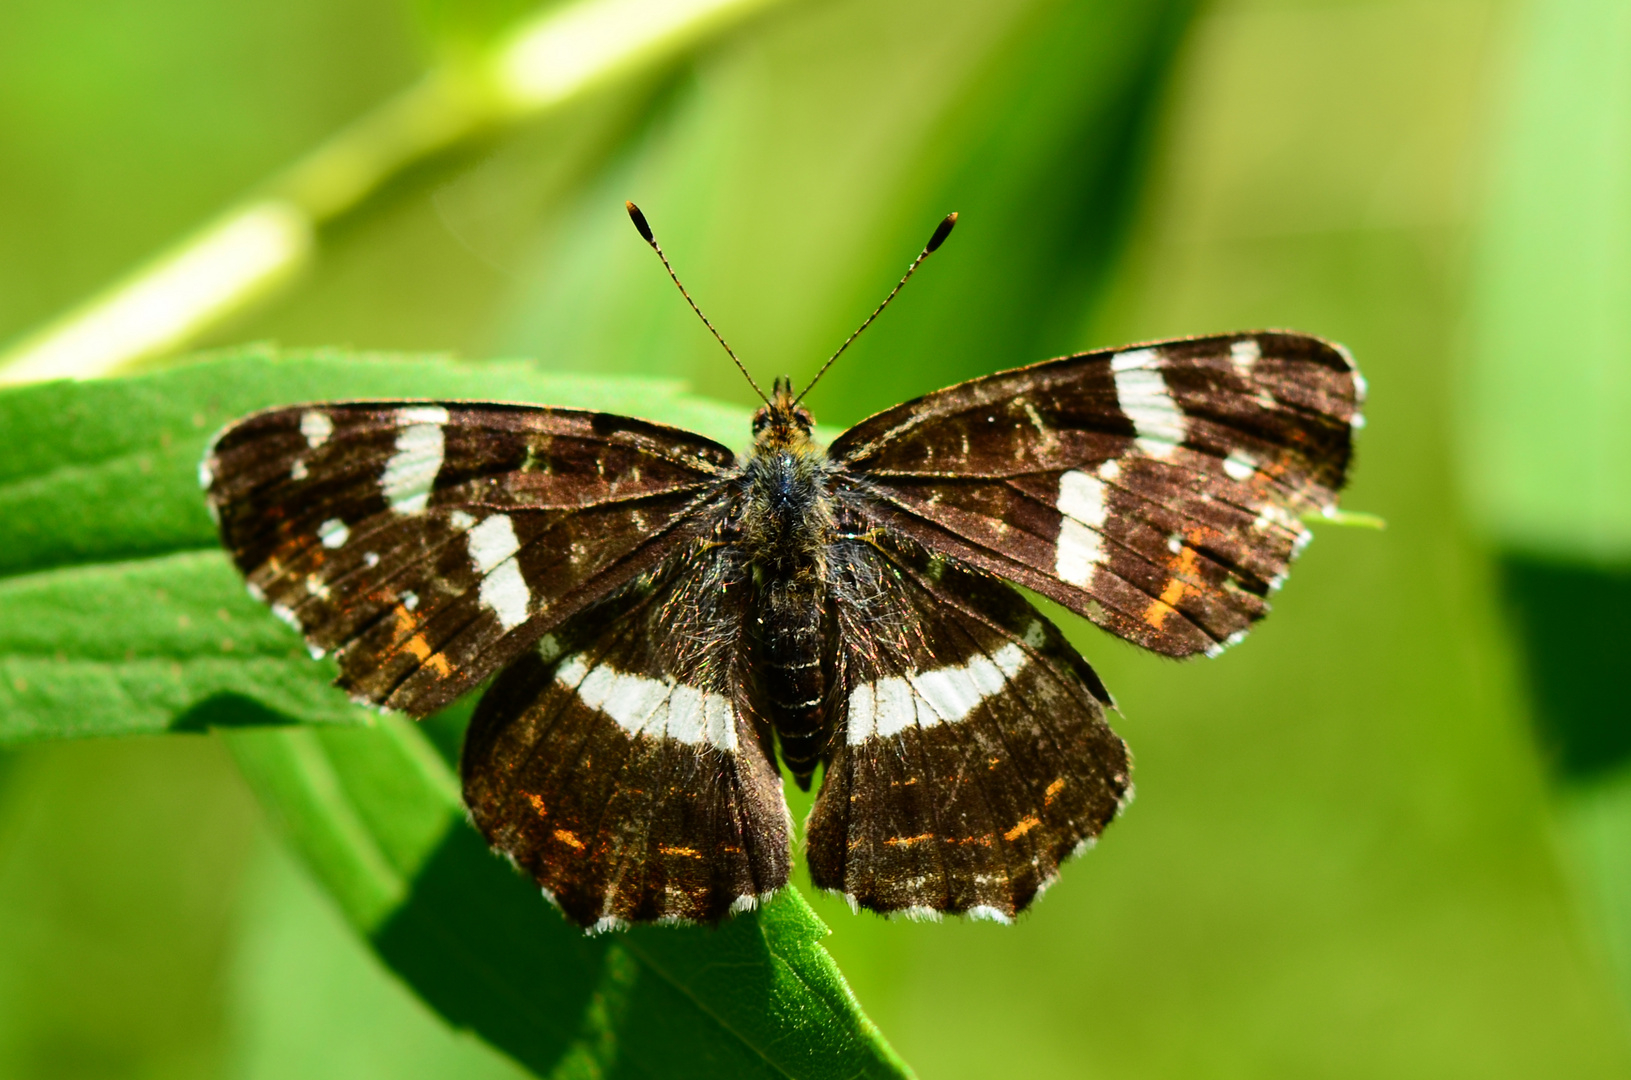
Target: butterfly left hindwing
(621, 765)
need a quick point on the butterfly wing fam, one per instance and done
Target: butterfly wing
(619, 763)
(1155, 489)
(971, 754)
(429, 543)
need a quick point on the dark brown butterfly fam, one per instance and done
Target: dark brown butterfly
(665, 618)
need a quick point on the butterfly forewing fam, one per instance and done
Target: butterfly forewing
(429, 543)
(1155, 489)
(619, 763)
(971, 756)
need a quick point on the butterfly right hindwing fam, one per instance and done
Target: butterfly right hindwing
(970, 754)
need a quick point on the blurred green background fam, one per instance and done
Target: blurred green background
(1391, 835)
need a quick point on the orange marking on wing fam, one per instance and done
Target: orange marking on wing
(570, 839)
(688, 852)
(537, 802)
(1173, 591)
(421, 652)
(1026, 824)
(908, 841)
(1053, 789)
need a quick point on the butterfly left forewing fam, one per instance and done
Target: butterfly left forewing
(428, 543)
(970, 754)
(1155, 489)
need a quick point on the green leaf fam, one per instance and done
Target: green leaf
(376, 814)
(118, 614)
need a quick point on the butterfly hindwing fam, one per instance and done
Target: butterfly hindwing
(428, 543)
(619, 762)
(1155, 489)
(970, 754)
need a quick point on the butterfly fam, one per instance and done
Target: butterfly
(666, 620)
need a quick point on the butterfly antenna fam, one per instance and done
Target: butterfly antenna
(941, 231)
(639, 220)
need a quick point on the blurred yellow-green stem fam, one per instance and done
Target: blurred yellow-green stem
(262, 242)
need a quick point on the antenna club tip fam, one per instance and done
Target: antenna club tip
(941, 231)
(639, 220)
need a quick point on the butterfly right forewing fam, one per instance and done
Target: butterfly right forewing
(1155, 489)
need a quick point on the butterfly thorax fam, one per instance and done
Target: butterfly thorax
(788, 513)
(787, 527)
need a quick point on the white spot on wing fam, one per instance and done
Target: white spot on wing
(1239, 465)
(989, 913)
(316, 427)
(1216, 648)
(410, 599)
(460, 520)
(1079, 551)
(919, 913)
(1244, 354)
(411, 471)
(1132, 358)
(492, 542)
(944, 695)
(333, 533)
(504, 592)
(492, 545)
(655, 707)
(297, 471)
(1084, 500)
(1144, 398)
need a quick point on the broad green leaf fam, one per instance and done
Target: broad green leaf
(118, 614)
(376, 814)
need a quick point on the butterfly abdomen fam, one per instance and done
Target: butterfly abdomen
(787, 528)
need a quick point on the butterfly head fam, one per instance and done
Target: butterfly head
(782, 424)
